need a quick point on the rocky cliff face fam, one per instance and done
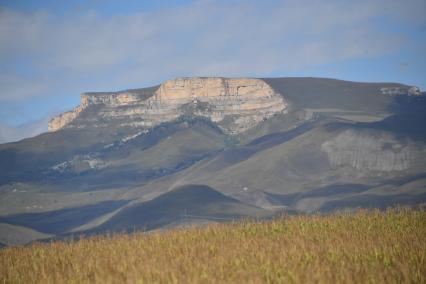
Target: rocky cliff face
(367, 151)
(235, 104)
(395, 91)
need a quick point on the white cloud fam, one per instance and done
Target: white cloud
(206, 36)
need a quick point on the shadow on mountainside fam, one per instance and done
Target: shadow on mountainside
(177, 206)
(64, 220)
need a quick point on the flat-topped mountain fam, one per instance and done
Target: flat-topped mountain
(212, 148)
(235, 104)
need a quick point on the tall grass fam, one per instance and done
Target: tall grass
(364, 247)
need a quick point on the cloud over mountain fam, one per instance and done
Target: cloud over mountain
(45, 54)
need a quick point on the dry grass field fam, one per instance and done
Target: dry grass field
(363, 247)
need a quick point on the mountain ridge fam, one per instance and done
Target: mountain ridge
(204, 96)
(219, 99)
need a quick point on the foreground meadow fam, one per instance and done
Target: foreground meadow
(364, 247)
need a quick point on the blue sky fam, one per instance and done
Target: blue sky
(51, 51)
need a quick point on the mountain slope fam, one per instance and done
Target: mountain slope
(323, 93)
(254, 147)
(16, 235)
(189, 202)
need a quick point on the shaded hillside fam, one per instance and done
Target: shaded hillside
(62, 221)
(86, 159)
(323, 93)
(305, 162)
(18, 235)
(185, 203)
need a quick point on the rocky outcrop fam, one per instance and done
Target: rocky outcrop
(235, 104)
(366, 151)
(62, 120)
(398, 91)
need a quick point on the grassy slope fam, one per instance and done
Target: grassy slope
(149, 165)
(291, 163)
(29, 158)
(365, 247)
(16, 235)
(165, 210)
(163, 151)
(195, 200)
(63, 220)
(333, 94)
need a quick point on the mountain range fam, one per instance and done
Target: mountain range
(210, 149)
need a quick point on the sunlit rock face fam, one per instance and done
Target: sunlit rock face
(235, 104)
(370, 152)
(62, 120)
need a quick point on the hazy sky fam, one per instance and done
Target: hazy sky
(51, 51)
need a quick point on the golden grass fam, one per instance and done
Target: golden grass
(365, 247)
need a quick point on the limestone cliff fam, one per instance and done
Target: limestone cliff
(235, 104)
(375, 151)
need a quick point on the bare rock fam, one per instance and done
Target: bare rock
(235, 104)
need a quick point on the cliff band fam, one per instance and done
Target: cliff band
(235, 104)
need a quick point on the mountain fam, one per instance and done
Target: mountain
(217, 149)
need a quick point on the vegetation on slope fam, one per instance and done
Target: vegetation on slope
(387, 247)
(199, 202)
